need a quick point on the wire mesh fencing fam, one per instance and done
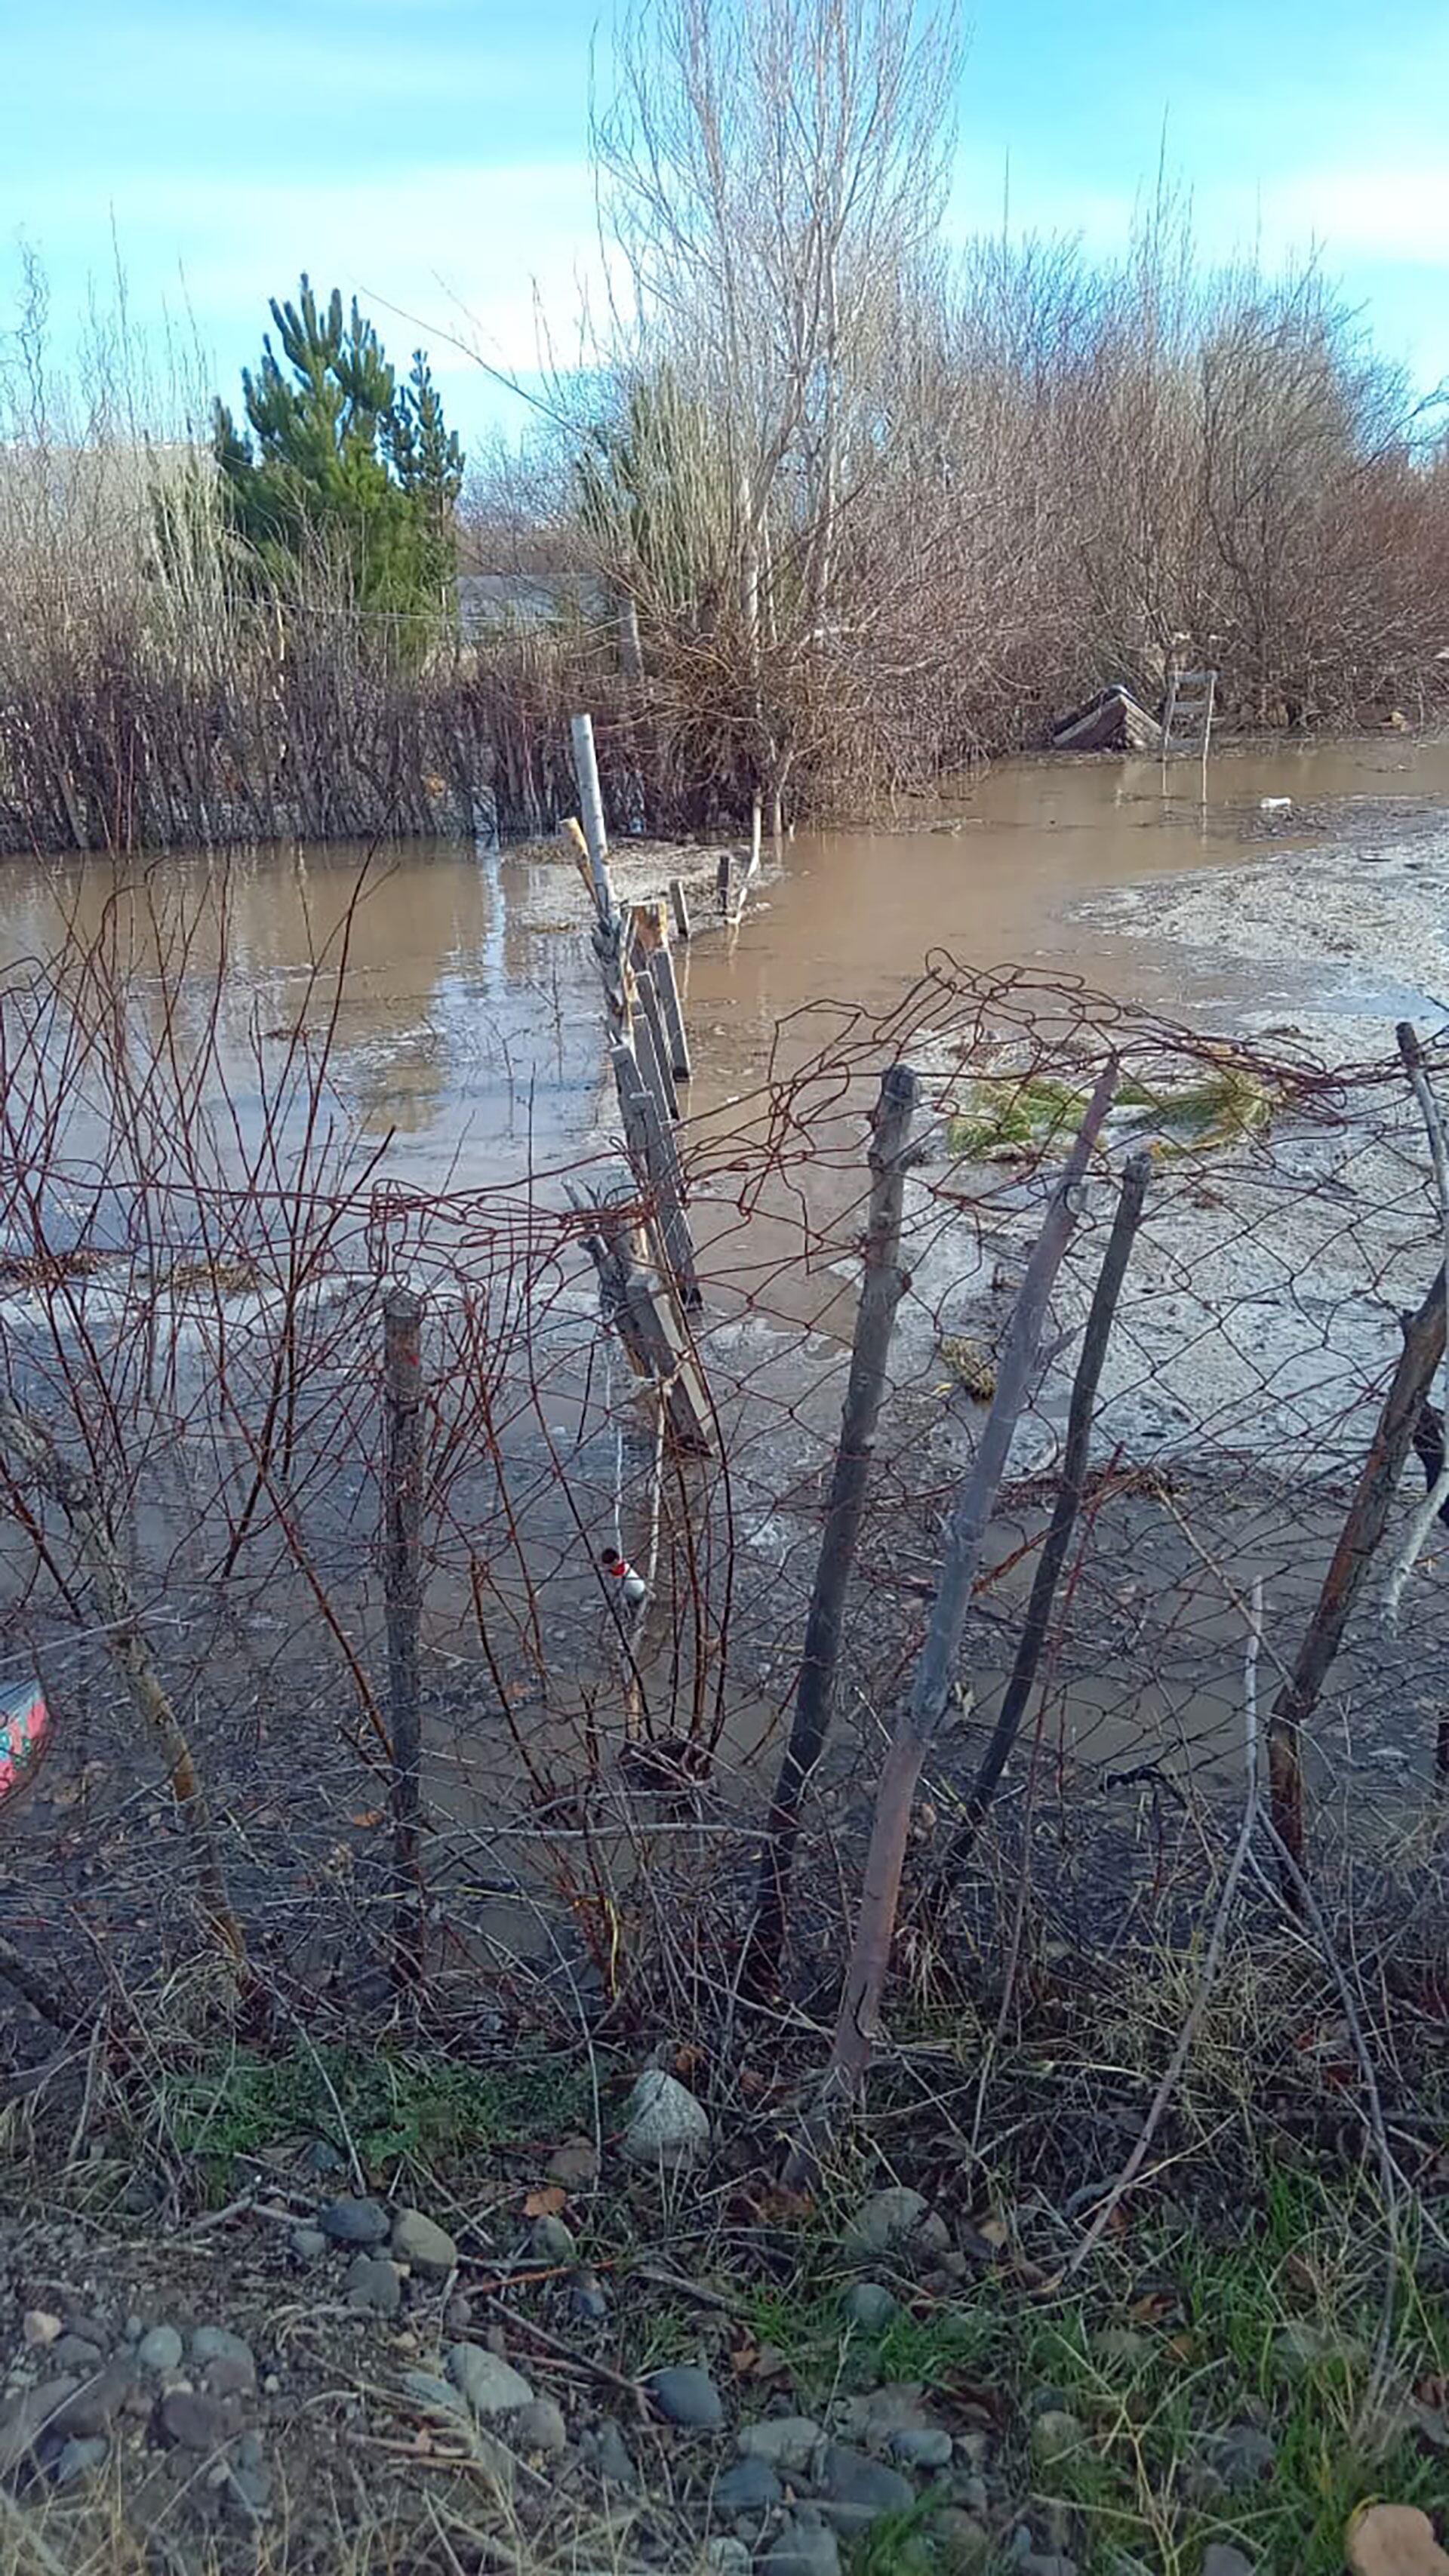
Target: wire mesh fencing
(610, 1613)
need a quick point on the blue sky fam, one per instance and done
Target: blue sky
(431, 153)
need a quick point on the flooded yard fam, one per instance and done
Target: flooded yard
(451, 996)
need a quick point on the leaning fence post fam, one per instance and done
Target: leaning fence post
(402, 1311)
(881, 1291)
(655, 1162)
(661, 966)
(680, 902)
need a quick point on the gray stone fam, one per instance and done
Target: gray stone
(81, 2459)
(355, 2222)
(1221, 2559)
(785, 2442)
(227, 2378)
(307, 2243)
(25, 2417)
(964, 2543)
(666, 2126)
(430, 2391)
(870, 2305)
(751, 2486)
(687, 2396)
(217, 2345)
(575, 2164)
(1301, 2347)
(1055, 2435)
(160, 2350)
(248, 2492)
(803, 2546)
(97, 2402)
(426, 2248)
(921, 2446)
(613, 2459)
(726, 2557)
(552, 2241)
(854, 2488)
(76, 2352)
(540, 2426)
(192, 2422)
(588, 2300)
(323, 2158)
(374, 2284)
(897, 2216)
(1241, 2456)
(883, 2411)
(491, 2387)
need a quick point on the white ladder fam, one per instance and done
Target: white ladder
(1187, 718)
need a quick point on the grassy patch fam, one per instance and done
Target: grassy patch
(1011, 1119)
(404, 2109)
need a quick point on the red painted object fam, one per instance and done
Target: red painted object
(24, 1726)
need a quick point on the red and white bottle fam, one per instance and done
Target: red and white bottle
(632, 1587)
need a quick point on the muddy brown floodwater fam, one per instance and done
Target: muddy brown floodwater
(470, 1026)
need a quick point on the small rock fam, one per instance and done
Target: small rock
(575, 2164)
(1306, 2347)
(39, 2328)
(160, 2350)
(355, 2222)
(1242, 2455)
(430, 2391)
(687, 2396)
(458, 2315)
(552, 2241)
(895, 2408)
(785, 2442)
(751, 2486)
(211, 2345)
(897, 2216)
(323, 2158)
(1221, 2559)
(667, 2127)
(98, 2401)
(1054, 2435)
(224, 2378)
(588, 2299)
(964, 2543)
(726, 2557)
(921, 2446)
(613, 2458)
(76, 2352)
(491, 2386)
(426, 2248)
(870, 2305)
(25, 2417)
(373, 2284)
(249, 2490)
(192, 2422)
(854, 2489)
(541, 2427)
(80, 2459)
(803, 2546)
(307, 2243)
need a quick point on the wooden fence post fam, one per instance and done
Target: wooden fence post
(403, 1593)
(661, 967)
(639, 1307)
(680, 902)
(655, 1161)
(880, 1294)
(657, 1053)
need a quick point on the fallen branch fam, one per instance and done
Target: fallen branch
(76, 1494)
(935, 1674)
(1125, 1223)
(1438, 1494)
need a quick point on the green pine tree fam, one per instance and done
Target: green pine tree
(336, 460)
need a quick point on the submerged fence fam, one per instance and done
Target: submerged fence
(593, 1603)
